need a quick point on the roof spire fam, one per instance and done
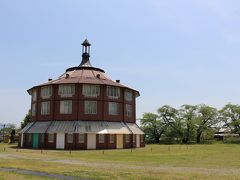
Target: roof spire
(85, 54)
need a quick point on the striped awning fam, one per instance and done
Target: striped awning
(96, 127)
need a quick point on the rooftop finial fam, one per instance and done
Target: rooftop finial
(85, 54)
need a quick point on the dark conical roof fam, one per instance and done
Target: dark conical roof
(86, 43)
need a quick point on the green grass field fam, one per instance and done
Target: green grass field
(215, 161)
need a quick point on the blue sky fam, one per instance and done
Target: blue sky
(174, 52)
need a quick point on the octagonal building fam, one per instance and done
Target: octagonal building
(82, 109)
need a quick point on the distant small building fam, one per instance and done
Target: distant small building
(82, 109)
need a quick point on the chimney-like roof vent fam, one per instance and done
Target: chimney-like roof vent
(118, 81)
(67, 76)
(49, 79)
(98, 76)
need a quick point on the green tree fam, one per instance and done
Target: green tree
(188, 114)
(230, 115)
(170, 117)
(206, 118)
(153, 127)
(26, 120)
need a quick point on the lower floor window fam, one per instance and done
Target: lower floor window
(141, 138)
(134, 138)
(69, 138)
(101, 138)
(66, 107)
(127, 138)
(81, 138)
(29, 138)
(50, 138)
(111, 138)
(41, 138)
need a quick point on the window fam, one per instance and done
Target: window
(141, 138)
(128, 110)
(45, 108)
(90, 107)
(66, 90)
(69, 138)
(91, 90)
(81, 138)
(113, 108)
(128, 95)
(29, 138)
(33, 109)
(111, 138)
(50, 138)
(113, 92)
(127, 138)
(46, 92)
(65, 107)
(101, 138)
(34, 95)
(134, 138)
(41, 138)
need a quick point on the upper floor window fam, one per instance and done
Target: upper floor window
(128, 110)
(45, 108)
(128, 95)
(33, 109)
(91, 90)
(46, 92)
(65, 107)
(101, 138)
(67, 90)
(90, 107)
(113, 92)
(113, 108)
(34, 95)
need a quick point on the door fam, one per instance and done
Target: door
(35, 141)
(60, 141)
(119, 141)
(91, 141)
(137, 140)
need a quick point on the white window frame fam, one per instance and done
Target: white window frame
(101, 138)
(65, 107)
(33, 111)
(113, 108)
(50, 137)
(113, 92)
(129, 110)
(90, 107)
(69, 138)
(89, 90)
(128, 95)
(111, 138)
(45, 108)
(81, 138)
(46, 92)
(66, 90)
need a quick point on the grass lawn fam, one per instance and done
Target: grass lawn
(215, 161)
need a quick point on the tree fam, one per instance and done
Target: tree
(230, 115)
(206, 118)
(26, 120)
(152, 126)
(171, 119)
(188, 115)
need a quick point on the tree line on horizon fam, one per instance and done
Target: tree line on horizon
(189, 123)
